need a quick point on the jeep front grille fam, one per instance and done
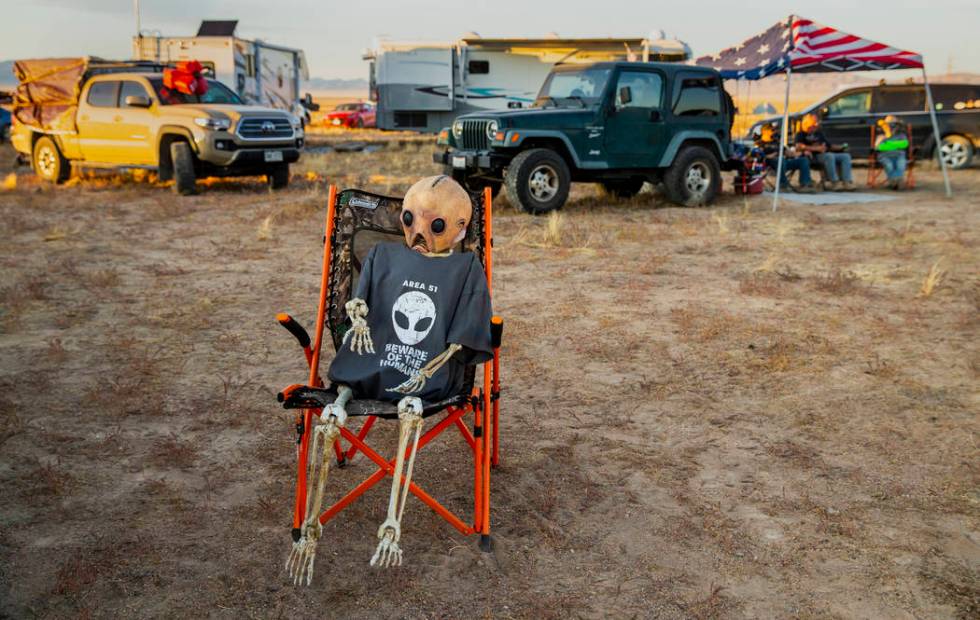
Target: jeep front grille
(475, 135)
(265, 129)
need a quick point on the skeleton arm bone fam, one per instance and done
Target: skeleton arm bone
(361, 342)
(417, 381)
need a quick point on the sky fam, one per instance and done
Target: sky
(335, 33)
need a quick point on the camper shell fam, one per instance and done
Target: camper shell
(260, 73)
(425, 86)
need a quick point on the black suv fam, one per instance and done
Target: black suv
(849, 115)
(615, 123)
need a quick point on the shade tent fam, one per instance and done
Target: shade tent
(800, 45)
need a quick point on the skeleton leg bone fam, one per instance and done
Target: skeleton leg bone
(361, 342)
(416, 382)
(388, 552)
(303, 553)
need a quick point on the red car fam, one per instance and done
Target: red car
(352, 115)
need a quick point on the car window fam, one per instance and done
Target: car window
(130, 89)
(850, 104)
(697, 96)
(889, 100)
(216, 93)
(646, 89)
(102, 94)
(956, 97)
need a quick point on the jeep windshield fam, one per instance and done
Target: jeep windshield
(573, 89)
(216, 93)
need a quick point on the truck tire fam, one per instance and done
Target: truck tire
(49, 163)
(957, 152)
(694, 178)
(472, 184)
(278, 176)
(538, 181)
(623, 188)
(185, 181)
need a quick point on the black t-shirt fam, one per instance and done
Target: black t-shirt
(417, 306)
(812, 138)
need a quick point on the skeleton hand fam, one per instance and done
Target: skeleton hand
(388, 552)
(304, 553)
(361, 342)
(415, 383)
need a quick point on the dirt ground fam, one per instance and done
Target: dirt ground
(707, 413)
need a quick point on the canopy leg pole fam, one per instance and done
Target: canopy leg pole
(783, 138)
(935, 131)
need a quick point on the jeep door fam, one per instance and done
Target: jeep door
(635, 133)
(847, 119)
(135, 127)
(95, 120)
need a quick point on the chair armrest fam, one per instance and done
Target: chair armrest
(496, 331)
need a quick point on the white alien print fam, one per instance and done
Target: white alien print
(413, 316)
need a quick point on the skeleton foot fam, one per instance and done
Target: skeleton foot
(303, 554)
(388, 552)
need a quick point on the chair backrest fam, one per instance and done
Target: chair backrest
(361, 220)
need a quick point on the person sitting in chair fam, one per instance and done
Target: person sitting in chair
(891, 145)
(767, 140)
(811, 141)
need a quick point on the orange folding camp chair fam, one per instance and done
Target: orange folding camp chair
(874, 166)
(356, 221)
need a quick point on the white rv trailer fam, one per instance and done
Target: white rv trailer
(424, 86)
(261, 73)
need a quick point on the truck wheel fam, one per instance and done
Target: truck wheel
(185, 182)
(49, 163)
(472, 184)
(538, 181)
(694, 178)
(623, 188)
(278, 176)
(956, 151)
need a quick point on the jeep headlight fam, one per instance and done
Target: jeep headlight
(491, 129)
(216, 124)
(458, 129)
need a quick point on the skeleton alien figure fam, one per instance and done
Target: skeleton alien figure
(429, 319)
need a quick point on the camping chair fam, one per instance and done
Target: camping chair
(875, 168)
(356, 221)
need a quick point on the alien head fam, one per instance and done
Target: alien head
(413, 315)
(435, 214)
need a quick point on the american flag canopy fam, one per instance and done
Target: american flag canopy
(808, 47)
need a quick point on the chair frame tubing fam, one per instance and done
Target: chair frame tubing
(875, 168)
(483, 441)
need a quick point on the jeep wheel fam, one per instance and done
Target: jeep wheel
(694, 178)
(278, 176)
(956, 151)
(621, 188)
(472, 184)
(538, 181)
(49, 163)
(185, 182)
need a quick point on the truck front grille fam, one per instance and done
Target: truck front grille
(475, 135)
(265, 129)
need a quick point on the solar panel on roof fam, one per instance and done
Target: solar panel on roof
(217, 28)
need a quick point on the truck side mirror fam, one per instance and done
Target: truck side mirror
(137, 101)
(308, 103)
(625, 95)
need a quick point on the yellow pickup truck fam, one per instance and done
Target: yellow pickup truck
(85, 112)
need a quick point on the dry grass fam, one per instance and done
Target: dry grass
(933, 280)
(702, 409)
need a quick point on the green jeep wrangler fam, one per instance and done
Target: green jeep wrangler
(615, 123)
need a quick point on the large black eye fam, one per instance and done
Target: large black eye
(438, 225)
(407, 218)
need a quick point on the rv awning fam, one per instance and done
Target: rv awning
(807, 46)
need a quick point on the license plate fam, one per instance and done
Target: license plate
(273, 155)
(459, 162)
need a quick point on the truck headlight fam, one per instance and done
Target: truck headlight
(458, 129)
(216, 124)
(491, 129)
(295, 121)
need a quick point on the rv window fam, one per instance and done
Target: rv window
(103, 94)
(479, 66)
(250, 65)
(410, 119)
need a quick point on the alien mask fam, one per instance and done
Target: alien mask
(435, 214)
